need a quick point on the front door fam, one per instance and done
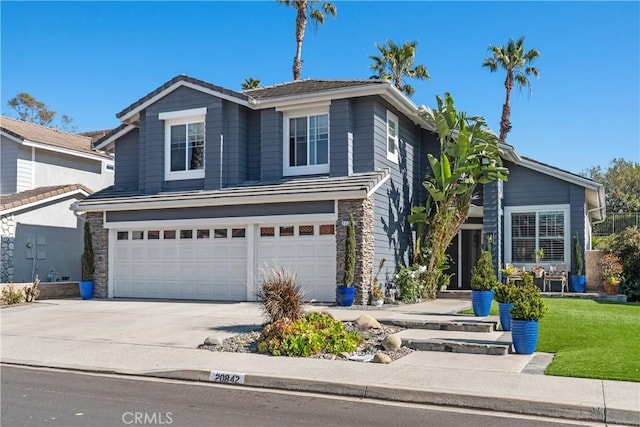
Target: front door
(463, 253)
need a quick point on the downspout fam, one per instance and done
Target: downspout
(221, 157)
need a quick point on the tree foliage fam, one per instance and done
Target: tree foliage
(306, 10)
(517, 64)
(32, 110)
(469, 155)
(250, 83)
(395, 62)
(621, 182)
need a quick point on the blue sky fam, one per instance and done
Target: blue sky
(92, 59)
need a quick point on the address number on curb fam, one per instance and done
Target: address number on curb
(226, 377)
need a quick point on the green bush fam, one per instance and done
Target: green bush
(505, 293)
(411, 283)
(527, 304)
(483, 276)
(88, 265)
(11, 295)
(281, 295)
(313, 333)
(350, 254)
(626, 245)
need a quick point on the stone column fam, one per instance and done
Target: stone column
(8, 236)
(100, 236)
(362, 211)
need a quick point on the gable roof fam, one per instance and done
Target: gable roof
(38, 196)
(26, 132)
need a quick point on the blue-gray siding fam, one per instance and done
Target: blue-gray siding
(8, 165)
(266, 209)
(271, 141)
(127, 151)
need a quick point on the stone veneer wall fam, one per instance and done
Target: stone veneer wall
(8, 237)
(100, 236)
(362, 211)
(592, 271)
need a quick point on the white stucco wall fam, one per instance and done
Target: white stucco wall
(57, 168)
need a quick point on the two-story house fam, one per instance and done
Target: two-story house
(212, 186)
(43, 171)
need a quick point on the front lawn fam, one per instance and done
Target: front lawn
(591, 339)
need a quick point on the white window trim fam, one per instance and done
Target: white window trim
(182, 117)
(393, 156)
(566, 209)
(308, 169)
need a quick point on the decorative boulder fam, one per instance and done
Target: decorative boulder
(381, 358)
(391, 343)
(213, 341)
(366, 322)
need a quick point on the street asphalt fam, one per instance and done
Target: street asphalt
(159, 339)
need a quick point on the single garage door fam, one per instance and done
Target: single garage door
(181, 263)
(308, 250)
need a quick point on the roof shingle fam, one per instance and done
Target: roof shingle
(15, 200)
(301, 87)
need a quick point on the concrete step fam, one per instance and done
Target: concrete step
(495, 343)
(462, 325)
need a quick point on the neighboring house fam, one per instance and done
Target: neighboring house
(44, 171)
(212, 186)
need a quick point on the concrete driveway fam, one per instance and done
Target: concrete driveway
(161, 323)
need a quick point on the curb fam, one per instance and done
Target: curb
(389, 393)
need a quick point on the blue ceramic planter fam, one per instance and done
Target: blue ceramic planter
(505, 315)
(481, 302)
(344, 295)
(578, 283)
(86, 290)
(524, 334)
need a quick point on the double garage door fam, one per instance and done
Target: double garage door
(221, 262)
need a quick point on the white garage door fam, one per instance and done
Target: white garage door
(181, 263)
(308, 250)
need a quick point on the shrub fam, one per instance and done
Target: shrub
(11, 295)
(281, 296)
(627, 245)
(577, 254)
(527, 304)
(610, 268)
(31, 292)
(411, 284)
(88, 266)
(313, 333)
(350, 254)
(505, 293)
(483, 276)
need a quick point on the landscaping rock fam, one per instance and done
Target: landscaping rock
(381, 358)
(366, 322)
(391, 343)
(344, 355)
(213, 341)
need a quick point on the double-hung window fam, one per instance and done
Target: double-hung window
(306, 145)
(392, 137)
(528, 228)
(184, 143)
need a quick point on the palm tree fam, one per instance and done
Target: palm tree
(250, 83)
(306, 9)
(517, 63)
(395, 62)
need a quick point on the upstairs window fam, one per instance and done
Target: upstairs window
(306, 147)
(392, 137)
(184, 143)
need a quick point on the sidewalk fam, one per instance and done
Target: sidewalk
(459, 380)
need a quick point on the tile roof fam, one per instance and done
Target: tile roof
(306, 86)
(39, 194)
(175, 80)
(54, 137)
(315, 188)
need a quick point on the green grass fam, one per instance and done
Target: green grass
(591, 339)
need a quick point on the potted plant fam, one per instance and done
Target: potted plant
(377, 294)
(578, 280)
(538, 269)
(527, 310)
(483, 280)
(504, 294)
(88, 266)
(345, 291)
(611, 270)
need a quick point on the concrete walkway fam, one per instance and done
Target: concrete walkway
(159, 338)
